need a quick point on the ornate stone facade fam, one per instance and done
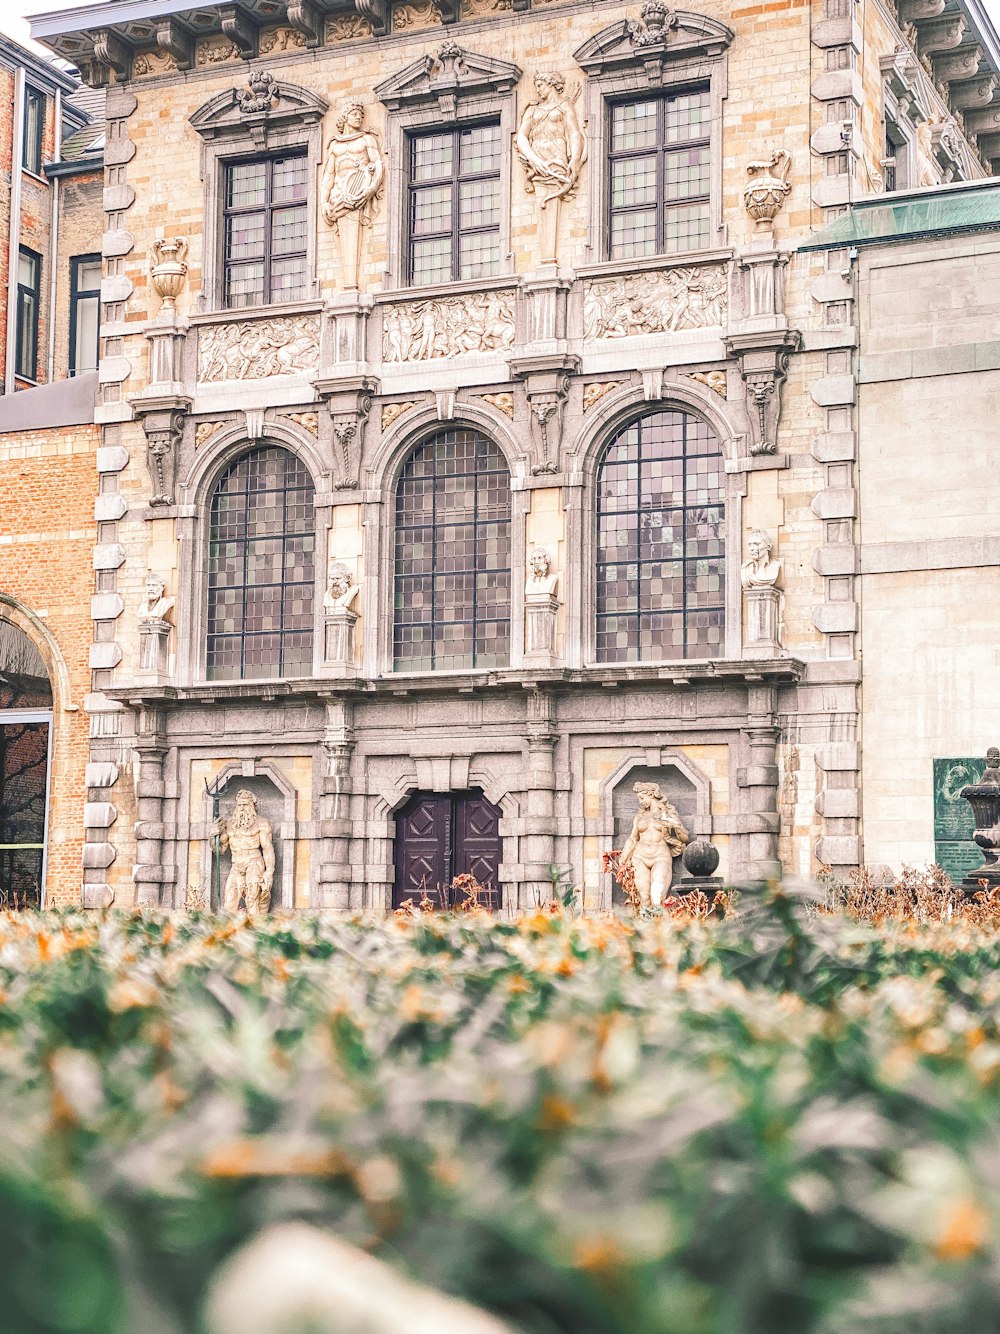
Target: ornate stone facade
(474, 369)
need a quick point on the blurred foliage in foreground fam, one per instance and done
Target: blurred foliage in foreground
(783, 1122)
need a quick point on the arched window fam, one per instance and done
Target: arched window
(25, 729)
(261, 568)
(660, 544)
(452, 577)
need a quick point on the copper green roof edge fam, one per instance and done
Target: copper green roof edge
(909, 219)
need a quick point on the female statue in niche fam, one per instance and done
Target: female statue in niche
(657, 837)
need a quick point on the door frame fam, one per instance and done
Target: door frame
(451, 796)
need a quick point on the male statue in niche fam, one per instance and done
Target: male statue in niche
(657, 837)
(247, 837)
(350, 186)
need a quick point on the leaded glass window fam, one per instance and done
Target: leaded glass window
(25, 723)
(659, 165)
(454, 204)
(261, 568)
(264, 230)
(660, 542)
(452, 576)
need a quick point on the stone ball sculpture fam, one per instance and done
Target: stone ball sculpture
(701, 858)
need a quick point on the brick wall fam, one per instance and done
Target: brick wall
(80, 222)
(47, 533)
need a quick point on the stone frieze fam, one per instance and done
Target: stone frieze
(448, 326)
(285, 345)
(664, 301)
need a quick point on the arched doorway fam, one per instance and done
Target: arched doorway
(441, 835)
(25, 751)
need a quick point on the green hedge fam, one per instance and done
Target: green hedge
(775, 1124)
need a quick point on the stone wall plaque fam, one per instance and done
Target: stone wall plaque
(954, 849)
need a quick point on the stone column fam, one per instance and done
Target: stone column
(148, 873)
(333, 887)
(538, 826)
(760, 822)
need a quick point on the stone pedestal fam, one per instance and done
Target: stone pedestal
(540, 612)
(339, 630)
(984, 798)
(154, 644)
(762, 622)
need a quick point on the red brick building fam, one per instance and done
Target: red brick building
(51, 179)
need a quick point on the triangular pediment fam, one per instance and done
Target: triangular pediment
(254, 105)
(659, 35)
(452, 72)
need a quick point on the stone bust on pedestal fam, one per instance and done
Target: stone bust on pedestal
(760, 575)
(154, 627)
(541, 608)
(341, 619)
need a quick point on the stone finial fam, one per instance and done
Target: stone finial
(168, 267)
(260, 94)
(653, 26)
(768, 186)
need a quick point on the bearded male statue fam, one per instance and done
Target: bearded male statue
(247, 836)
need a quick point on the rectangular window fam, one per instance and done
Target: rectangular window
(895, 164)
(29, 272)
(34, 125)
(660, 175)
(84, 312)
(264, 230)
(453, 223)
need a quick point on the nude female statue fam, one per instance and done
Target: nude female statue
(657, 837)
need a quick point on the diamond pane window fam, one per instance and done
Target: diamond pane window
(454, 209)
(261, 573)
(659, 168)
(452, 575)
(660, 542)
(264, 230)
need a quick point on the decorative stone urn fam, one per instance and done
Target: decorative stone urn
(768, 187)
(167, 268)
(984, 798)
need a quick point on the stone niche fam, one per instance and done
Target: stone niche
(271, 804)
(679, 790)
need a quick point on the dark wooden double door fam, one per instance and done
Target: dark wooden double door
(441, 835)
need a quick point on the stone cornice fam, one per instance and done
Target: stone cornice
(652, 676)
